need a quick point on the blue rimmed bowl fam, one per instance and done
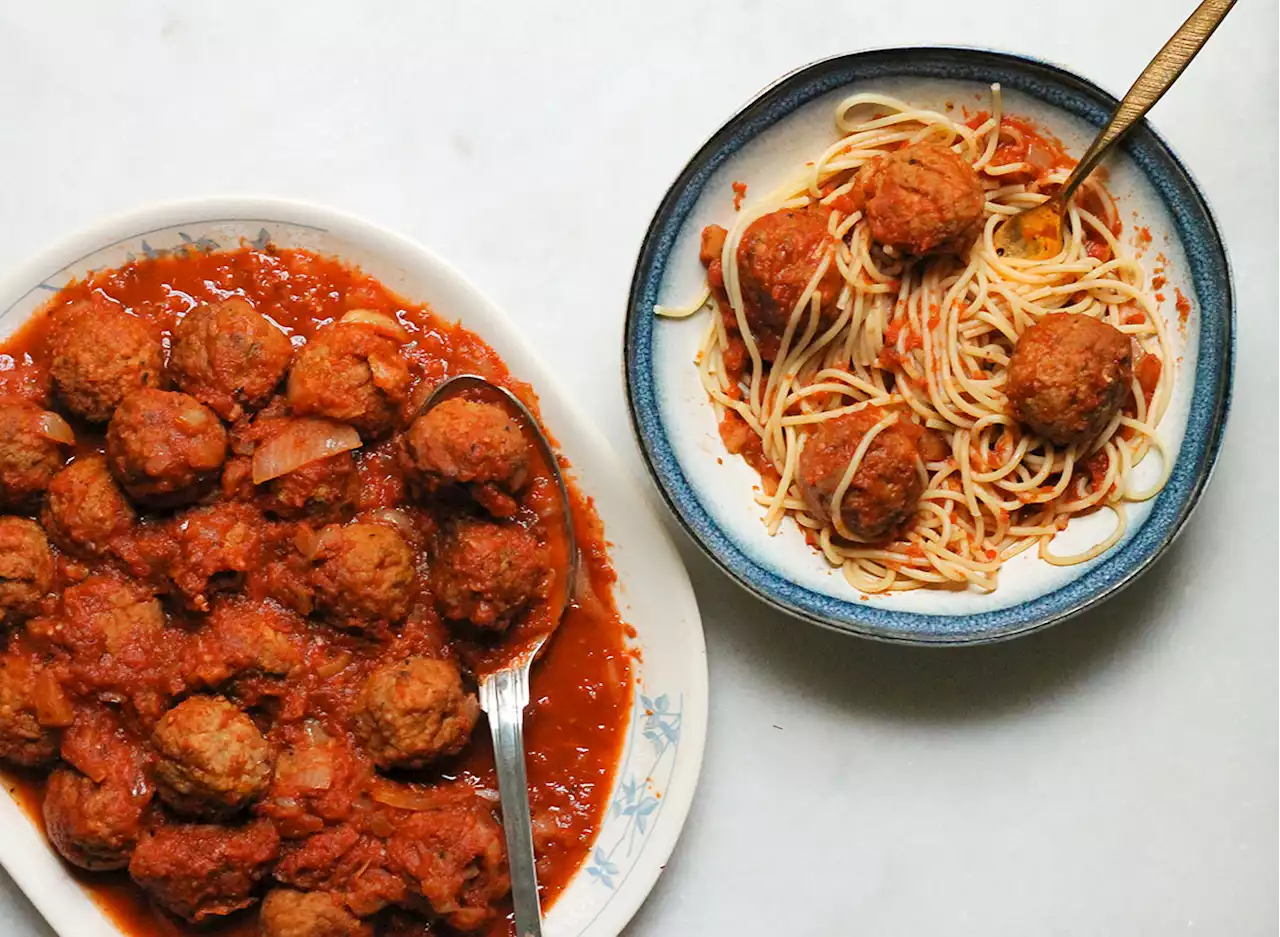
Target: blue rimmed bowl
(1166, 221)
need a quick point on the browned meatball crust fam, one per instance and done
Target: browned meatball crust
(99, 354)
(351, 373)
(95, 825)
(922, 199)
(457, 858)
(25, 738)
(1068, 376)
(229, 356)
(28, 457)
(885, 489)
(363, 574)
(26, 568)
(211, 760)
(289, 913)
(487, 573)
(244, 637)
(217, 546)
(777, 257)
(463, 440)
(85, 508)
(104, 616)
(415, 711)
(198, 871)
(165, 448)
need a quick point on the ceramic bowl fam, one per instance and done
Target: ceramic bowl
(711, 493)
(659, 766)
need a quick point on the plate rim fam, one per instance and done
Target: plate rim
(137, 222)
(1063, 78)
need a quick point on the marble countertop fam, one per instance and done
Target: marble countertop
(1116, 775)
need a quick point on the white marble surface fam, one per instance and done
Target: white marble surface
(1116, 776)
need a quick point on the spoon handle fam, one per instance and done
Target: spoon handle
(503, 695)
(1154, 81)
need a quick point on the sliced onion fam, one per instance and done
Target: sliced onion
(52, 426)
(405, 798)
(380, 322)
(315, 732)
(52, 706)
(393, 518)
(489, 794)
(305, 541)
(388, 373)
(317, 776)
(301, 443)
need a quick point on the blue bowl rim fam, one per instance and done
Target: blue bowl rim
(1211, 277)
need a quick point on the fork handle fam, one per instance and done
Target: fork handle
(1154, 81)
(504, 695)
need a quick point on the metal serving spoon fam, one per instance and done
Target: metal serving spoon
(1036, 233)
(504, 690)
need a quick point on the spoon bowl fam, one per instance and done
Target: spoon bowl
(1036, 233)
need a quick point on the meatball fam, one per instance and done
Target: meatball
(288, 913)
(363, 574)
(201, 871)
(85, 508)
(243, 637)
(26, 738)
(99, 354)
(26, 568)
(463, 440)
(229, 356)
(350, 372)
(319, 780)
(885, 488)
(217, 546)
(94, 825)
(777, 257)
(29, 458)
(211, 760)
(487, 573)
(414, 711)
(104, 616)
(349, 863)
(165, 448)
(1068, 376)
(321, 491)
(922, 199)
(456, 856)
(23, 378)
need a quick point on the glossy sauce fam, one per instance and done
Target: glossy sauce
(581, 687)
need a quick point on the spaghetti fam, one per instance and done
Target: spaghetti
(924, 343)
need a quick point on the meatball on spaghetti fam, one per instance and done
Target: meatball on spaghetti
(1068, 377)
(882, 492)
(922, 199)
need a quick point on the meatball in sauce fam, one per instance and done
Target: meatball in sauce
(229, 357)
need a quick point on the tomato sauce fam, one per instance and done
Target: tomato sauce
(582, 685)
